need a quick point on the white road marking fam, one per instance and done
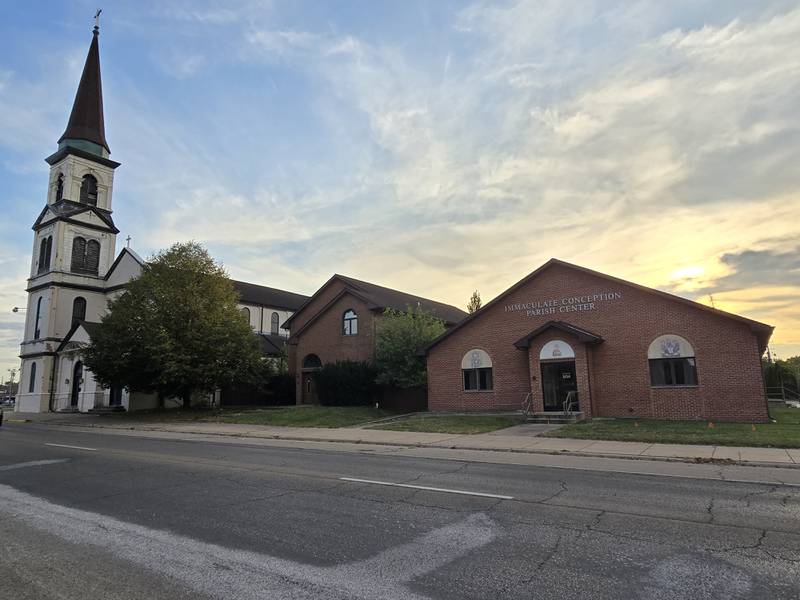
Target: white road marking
(427, 488)
(222, 572)
(32, 463)
(73, 447)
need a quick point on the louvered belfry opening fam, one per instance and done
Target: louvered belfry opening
(85, 256)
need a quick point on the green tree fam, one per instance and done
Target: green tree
(474, 302)
(399, 338)
(176, 330)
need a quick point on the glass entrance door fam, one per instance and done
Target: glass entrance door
(558, 379)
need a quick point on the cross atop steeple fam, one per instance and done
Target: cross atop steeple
(97, 20)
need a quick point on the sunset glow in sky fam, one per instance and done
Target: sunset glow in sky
(435, 147)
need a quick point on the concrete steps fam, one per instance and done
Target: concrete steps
(555, 417)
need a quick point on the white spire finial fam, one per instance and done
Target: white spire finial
(97, 19)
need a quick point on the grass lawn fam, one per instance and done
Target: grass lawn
(289, 416)
(303, 416)
(452, 424)
(783, 434)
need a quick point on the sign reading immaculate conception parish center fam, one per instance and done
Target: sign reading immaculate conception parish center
(563, 305)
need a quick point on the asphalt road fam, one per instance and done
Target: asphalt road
(121, 517)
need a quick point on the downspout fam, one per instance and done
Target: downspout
(53, 382)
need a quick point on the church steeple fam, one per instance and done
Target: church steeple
(86, 129)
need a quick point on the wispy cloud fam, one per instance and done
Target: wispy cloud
(460, 149)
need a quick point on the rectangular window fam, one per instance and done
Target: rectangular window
(673, 371)
(478, 379)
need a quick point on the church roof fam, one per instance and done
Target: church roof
(383, 297)
(86, 119)
(271, 344)
(379, 298)
(250, 293)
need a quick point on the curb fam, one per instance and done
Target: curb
(691, 460)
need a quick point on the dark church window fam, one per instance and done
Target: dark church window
(78, 310)
(85, 256)
(60, 187)
(32, 380)
(274, 324)
(350, 322)
(45, 251)
(92, 256)
(246, 314)
(89, 190)
(37, 324)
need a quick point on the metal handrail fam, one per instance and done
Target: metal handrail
(569, 403)
(527, 405)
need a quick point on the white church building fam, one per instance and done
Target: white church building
(75, 270)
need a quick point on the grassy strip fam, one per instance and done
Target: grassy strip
(452, 424)
(783, 434)
(304, 416)
(284, 416)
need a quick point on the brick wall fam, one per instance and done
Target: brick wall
(613, 376)
(324, 337)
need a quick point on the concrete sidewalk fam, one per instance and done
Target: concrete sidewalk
(514, 439)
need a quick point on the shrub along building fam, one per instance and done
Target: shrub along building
(624, 349)
(338, 323)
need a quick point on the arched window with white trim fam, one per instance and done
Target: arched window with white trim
(274, 324)
(672, 362)
(350, 322)
(476, 367)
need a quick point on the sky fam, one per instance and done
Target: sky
(436, 147)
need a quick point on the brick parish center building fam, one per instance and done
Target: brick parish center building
(624, 350)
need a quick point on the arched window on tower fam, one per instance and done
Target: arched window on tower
(78, 260)
(274, 324)
(42, 256)
(85, 256)
(37, 324)
(89, 190)
(32, 379)
(78, 310)
(246, 314)
(60, 187)
(48, 252)
(92, 256)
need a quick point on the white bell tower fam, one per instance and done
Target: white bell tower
(74, 240)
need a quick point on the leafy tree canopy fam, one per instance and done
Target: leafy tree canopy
(175, 330)
(399, 337)
(474, 302)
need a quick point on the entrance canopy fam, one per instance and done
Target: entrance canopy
(581, 335)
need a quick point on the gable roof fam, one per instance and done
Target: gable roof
(580, 334)
(271, 344)
(117, 260)
(251, 293)
(762, 330)
(65, 210)
(379, 298)
(90, 327)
